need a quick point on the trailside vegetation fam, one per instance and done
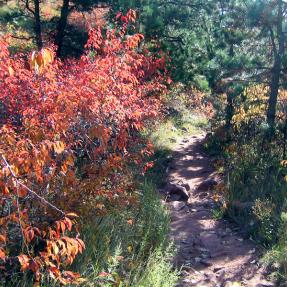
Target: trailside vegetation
(68, 132)
(82, 85)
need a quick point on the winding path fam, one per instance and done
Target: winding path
(212, 252)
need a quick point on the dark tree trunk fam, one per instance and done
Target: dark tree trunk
(37, 26)
(275, 78)
(274, 87)
(229, 111)
(285, 138)
(62, 26)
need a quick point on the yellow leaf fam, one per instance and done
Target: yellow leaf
(71, 214)
(59, 147)
(41, 59)
(11, 71)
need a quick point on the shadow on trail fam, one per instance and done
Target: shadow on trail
(212, 252)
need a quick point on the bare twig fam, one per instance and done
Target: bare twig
(28, 7)
(22, 37)
(42, 199)
(19, 218)
(272, 37)
(183, 4)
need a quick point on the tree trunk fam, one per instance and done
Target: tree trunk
(285, 138)
(274, 87)
(229, 111)
(275, 78)
(62, 26)
(37, 26)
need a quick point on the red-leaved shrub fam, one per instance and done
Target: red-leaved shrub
(67, 131)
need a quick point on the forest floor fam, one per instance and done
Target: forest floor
(211, 251)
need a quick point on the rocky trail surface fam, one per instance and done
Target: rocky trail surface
(211, 252)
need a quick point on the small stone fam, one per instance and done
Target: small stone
(206, 262)
(207, 185)
(173, 188)
(175, 197)
(184, 273)
(220, 275)
(205, 255)
(232, 284)
(178, 205)
(265, 284)
(186, 185)
(252, 251)
(195, 282)
(217, 268)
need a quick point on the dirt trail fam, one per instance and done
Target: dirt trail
(213, 252)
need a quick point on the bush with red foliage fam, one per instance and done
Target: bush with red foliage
(67, 132)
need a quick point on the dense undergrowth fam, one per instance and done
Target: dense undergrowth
(85, 142)
(130, 248)
(251, 160)
(75, 144)
(127, 247)
(69, 138)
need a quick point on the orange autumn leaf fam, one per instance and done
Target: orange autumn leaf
(41, 59)
(22, 192)
(3, 238)
(2, 254)
(5, 190)
(24, 261)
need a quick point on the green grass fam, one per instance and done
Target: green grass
(166, 135)
(136, 254)
(158, 271)
(128, 248)
(218, 212)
